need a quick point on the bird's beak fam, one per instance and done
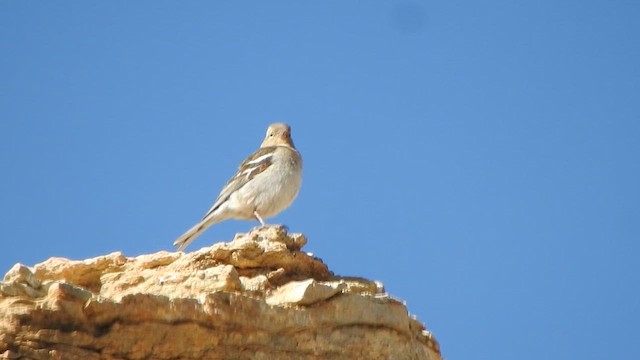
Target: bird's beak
(286, 138)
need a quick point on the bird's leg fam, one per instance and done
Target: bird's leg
(259, 218)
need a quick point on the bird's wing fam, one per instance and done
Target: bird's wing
(255, 164)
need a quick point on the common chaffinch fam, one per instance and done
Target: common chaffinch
(265, 184)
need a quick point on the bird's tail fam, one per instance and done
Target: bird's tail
(185, 239)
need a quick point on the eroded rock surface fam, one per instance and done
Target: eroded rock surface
(256, 297)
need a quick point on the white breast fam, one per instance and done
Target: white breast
(275, 191)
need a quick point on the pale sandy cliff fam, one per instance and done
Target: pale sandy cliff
(257, 297)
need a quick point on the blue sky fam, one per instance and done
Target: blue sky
(480, 158)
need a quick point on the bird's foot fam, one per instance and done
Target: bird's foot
(276, 226)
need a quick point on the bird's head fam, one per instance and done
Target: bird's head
(278, 134)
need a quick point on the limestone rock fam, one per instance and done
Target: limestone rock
(256, 297)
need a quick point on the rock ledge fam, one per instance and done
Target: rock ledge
(256, 297)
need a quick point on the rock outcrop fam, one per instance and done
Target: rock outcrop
(256, 297)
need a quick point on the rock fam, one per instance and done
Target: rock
(256, 297)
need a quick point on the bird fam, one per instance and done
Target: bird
(265, 184)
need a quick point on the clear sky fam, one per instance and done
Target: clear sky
(480, 158)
